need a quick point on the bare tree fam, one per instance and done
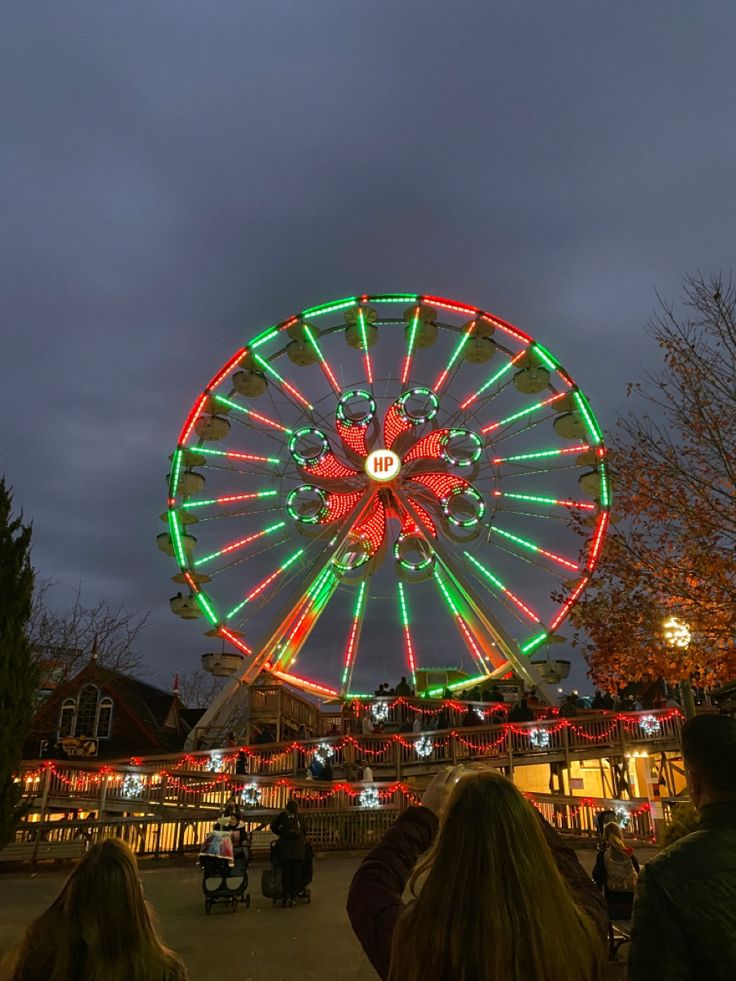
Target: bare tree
(197, 689)
(63, 639)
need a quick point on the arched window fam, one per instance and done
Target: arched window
(87, 711)
(66, 717)
(104, 719)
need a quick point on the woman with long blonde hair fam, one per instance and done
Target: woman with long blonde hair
(497, 895)
(99, 928)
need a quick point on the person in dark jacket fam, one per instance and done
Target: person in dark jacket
(290, 849)
(616, 870)
(500, 895)
(684, 926)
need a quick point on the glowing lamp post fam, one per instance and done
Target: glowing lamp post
(677, 636)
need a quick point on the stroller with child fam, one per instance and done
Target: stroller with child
(224, 858)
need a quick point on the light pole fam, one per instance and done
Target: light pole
(677, 635)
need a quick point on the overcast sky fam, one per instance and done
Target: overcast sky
(176, 175)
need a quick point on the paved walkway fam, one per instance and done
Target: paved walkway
(263, 943)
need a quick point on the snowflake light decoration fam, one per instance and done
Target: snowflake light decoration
(424, 747)
(539, 738)
(324, 752)
(623, 817)
(133, 786)
(650, 725)
(480, 713)
(251, 795)
(379, 711)
(369, 798)
(217, 763)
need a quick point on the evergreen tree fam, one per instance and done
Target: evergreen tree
(17, 670)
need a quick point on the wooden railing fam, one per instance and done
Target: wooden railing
(342, 821)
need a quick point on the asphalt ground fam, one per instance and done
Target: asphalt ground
(260, 943)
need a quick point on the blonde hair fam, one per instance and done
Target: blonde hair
(613, 835)
(99, 927)
(493, 904)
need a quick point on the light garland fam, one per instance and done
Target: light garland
(370, 798)
(424, 747)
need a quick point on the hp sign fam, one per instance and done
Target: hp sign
(382, 465)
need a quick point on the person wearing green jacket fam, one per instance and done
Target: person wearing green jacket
(684, 920)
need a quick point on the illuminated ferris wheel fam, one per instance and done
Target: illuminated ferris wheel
(381, 484)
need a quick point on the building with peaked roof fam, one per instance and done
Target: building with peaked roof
(103, 714)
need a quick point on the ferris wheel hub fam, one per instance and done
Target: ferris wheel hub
(382, 465)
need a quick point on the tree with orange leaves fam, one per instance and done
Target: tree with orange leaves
(673, 549)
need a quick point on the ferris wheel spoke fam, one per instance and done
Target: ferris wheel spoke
(265, 583)
(329, 374)
(305, 616)
(458, 350)
(351, 647)
(486, 576)
(544, 501)
(530, 546)
(493, 427)
(495, 377)
(467, 636)
(362, 327)
(290, 391)
(240, 543)
(410, 344)
(252, 414)
(406, 629)
(557, 452)
(224, 499)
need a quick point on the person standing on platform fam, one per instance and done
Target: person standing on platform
(290, 849)
(684, 924)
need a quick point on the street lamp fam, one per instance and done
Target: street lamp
(677, 636)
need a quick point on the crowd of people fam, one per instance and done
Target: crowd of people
(495, 892)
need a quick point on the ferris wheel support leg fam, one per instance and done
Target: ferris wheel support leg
(502, 639)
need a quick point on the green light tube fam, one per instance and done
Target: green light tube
(210, 452)
(218, 500)
(229, 548)
(263, 337)
(486, 572)
(515, 538)
(282, 568)
(175, 471)
(538, 454)
(241, 408)
(206, 608)
(175, 530)
(458, 684)
(590, 422)
(544, 356)
(494, 378)
(534, 643)
(394, 298)
(329, 307)
(605, 486)
(282, 381)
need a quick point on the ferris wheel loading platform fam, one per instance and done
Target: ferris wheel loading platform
(614, 758)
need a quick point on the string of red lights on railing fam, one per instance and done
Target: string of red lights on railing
(539, 736)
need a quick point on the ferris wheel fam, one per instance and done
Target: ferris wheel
(384, 483)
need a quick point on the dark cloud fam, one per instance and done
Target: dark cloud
(177, 174)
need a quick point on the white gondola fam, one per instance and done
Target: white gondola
(222, 664)
(164, 542)
(212, 427)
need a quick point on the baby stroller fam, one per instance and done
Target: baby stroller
(225, 869)
(272, 879)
